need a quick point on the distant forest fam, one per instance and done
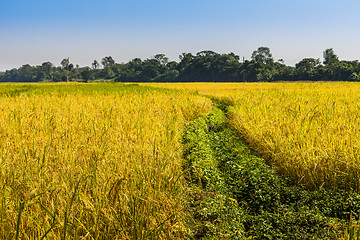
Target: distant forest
(205, 66)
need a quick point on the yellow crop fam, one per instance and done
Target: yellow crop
(308, 131)
(92, 164)
(103, 161)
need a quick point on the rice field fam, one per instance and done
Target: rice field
(104, 161)
(308, 131)
(92, 161)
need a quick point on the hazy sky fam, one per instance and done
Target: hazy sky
(35, 31)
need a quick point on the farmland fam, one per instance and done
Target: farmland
(92, 162)
(308, 131)
(179, 160)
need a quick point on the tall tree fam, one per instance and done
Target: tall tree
(307, 69)
(262, 55)
(108, 62)
(25, 72)
(65, 64)
(47, 67)
(95, 65)
(330, 58)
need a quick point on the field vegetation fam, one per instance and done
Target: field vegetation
(308, 131)
(172, 161)
(93, 161)
(236, 195)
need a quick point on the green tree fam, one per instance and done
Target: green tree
(65, 63)
(26, 73)
(47, 67)
(330, 58)
(135, 64)
(95, 65)
(108, 62)
(262, 55)
(307, 69)
(162, 59)
(308, 63)
(86, 74)
(185, 60)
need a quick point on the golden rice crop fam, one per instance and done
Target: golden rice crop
(308, 131)
(89, 165)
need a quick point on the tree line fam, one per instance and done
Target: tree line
(204, 66)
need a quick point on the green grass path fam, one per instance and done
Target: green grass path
(236, 195)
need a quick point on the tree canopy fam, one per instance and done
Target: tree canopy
(204, 66)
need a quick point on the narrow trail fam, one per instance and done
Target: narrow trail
(236, 195)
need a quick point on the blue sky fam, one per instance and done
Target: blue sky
(35, 31)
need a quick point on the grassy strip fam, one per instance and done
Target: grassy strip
(236, 195)
(216, 215)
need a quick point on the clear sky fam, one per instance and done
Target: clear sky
(35, 31)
